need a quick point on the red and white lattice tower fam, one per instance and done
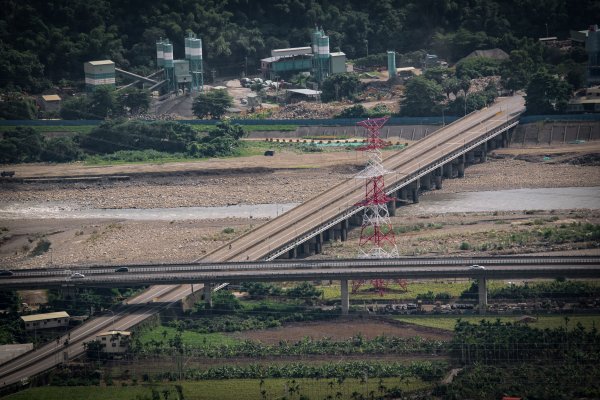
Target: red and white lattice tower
(376, 234)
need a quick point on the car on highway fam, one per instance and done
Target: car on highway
(122, 269)
(476, 266)
(6, 272)
(77, 275)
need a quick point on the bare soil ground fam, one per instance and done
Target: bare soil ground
(342, 329)
(287, 177)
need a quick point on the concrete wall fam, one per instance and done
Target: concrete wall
(555, 132)
(405, 132)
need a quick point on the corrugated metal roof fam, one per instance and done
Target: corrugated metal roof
(51, 97)
(337, 54)
(101, 62)
(306, 92)
(41, 317)
(113, 333)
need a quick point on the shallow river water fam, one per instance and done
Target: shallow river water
(432, 203)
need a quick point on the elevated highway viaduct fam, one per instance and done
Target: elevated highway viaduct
(211, 274)
(303, 229)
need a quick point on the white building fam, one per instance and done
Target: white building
(114, 341)
(46, 321)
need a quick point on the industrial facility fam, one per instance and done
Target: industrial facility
(179, 76)
(315, 59)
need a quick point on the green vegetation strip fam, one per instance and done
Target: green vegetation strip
(543, 322)
(236, 389)
(395, 292)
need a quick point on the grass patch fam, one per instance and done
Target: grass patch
(194, 339)
(251, 128)
(543, 322)
(234, 389)
(394, 292)
(58, 128)
(82, 392)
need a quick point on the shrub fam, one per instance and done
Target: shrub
(40, 248)
(465, 246)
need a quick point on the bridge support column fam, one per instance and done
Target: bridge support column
(207, 294)
(447, 170)
(392, 205)
(438, 177)
(461, 168)
(470, 157)
(415, 195)
(426, 182)
(505, 139)
(305, 248)
(482, 286)
(401, 197)
(293, 253)
(345, 296)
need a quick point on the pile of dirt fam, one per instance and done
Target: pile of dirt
(305, 109)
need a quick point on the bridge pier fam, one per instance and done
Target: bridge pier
(345, 297)
(425, 182)
(469, 157)
(438, 178)
(207, 294)
(392, 204)
(415, 193)
(482, 286)
(344, 230)
(461, 168)
(447, 170)
(293, 253)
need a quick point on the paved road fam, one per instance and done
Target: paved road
(257, 244)
(504, 267)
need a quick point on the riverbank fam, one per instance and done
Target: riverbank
(286, 178)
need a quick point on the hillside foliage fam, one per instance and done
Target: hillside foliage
(47, 42)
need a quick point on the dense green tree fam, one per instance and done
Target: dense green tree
(546, 94)
(517, 70)
(61, 149)
(421, 97)
(15, 106)
(477, 67)
(356, 111)
(212, 104)
(339, 86)
(112, 136)
(102, 103)
(133, 101)
(24, 144)
(224, 300)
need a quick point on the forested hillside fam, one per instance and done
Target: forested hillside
(43, 42)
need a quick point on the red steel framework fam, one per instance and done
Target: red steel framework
(377, 238)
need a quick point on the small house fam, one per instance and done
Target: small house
(114, 341)
(46, 321)
(50, 102)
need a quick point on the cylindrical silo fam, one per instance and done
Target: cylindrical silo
(168, 55)
(160, 59)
